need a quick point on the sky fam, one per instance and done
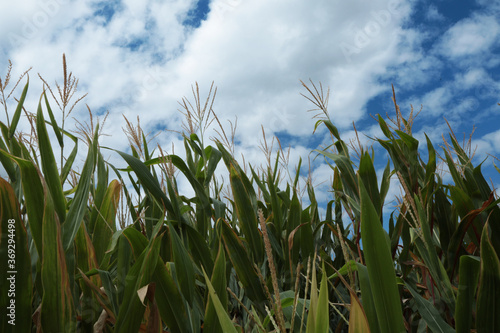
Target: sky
(140, 58)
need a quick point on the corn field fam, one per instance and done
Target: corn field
(98, 247)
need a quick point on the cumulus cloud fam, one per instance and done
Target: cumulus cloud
(141, 57)
(470, 36)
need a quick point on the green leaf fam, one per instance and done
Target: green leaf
(57, 297)
(243, 265)
(105, 224)
(322, 314)
(17, 113)
(313, 302)
(49, 165)
(219, 283)
(468, 279)
(246, 214)
(78, 206)
(429, 313)
(33, 197)
(369, 177)
(53, 122)
(132, 310)
(168, 297)
(183, 266)
(15, 265)
(224, 320)
(488, 297)
(367, 298)
(148, 181)
(379, 264)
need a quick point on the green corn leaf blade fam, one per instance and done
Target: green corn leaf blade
(124, 261)
(432, 260)
(213, 156)
(430, 168)
(429, 313)
(276, 206)
(183, 266)
(86, 261)
(176, 205)
(385, 182)
(105, 226)
(148, 181)
(49, 165)
(53, 122)
(168, 297)
(78, 206)
(197, 186)
(488, 295)
(199, 249)
(132, 310)
(110, 289)
(15, 265)
(367, 298)
(7, 163)
(383, 126)
(243, 265)
(69, 162)
(101, 186)
(457, 178)
(322, 314)
(246, 215)
(224, 320)
(262, 186)
(292, 224)
(33, 197)
(369, 178)
(468, 279)
(19, 109)
(99, 297)
(313, 302)
(306, 236)
(380, 267)
(347, 173)
(57, 297)
(219, 283)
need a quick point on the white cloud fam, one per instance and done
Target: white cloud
(433, 14)
(255, 51)
(470, 36)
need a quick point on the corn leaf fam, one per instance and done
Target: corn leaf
(57, 297)
(488, 298)
(15, 265)
(429, 313)
(380, 267)
(468, 279)
(19, 109)
(212, 323)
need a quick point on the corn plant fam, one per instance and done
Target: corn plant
(119, 248)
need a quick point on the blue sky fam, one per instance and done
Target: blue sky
(141, 57)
